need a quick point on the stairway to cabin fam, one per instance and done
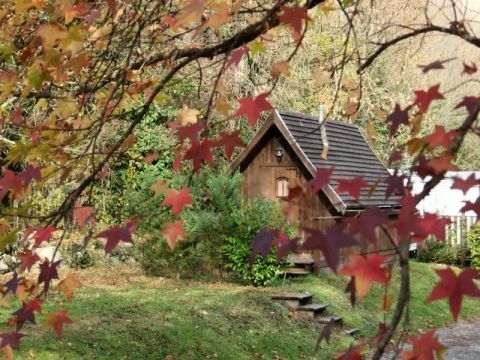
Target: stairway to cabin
(301, 264)
(302, 306)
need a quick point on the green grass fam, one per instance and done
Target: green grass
(126, 316)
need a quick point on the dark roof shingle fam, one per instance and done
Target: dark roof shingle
(348, 152)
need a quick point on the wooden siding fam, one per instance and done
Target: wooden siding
(260, 173)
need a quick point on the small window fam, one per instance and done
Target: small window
(282, 187)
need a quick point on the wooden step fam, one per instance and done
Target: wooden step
(301, 259)
(311, 310)
(327, 319)
(350, 332)
(293, 300)
(297, 271)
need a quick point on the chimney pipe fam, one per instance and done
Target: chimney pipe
(323, 131)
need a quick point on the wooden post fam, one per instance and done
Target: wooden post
(459, 230)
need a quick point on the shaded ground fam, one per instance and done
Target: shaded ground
(462, 339)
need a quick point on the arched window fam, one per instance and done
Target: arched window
(282, 187)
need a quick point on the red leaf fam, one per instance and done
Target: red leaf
(397, 118)
(48, 272)
(117, 234)
(407, 220)
(351, 186)
(366, 270)
(40, 234)
(470, 206)
(112, 5)
(431, 224)
(285, 245)
(252, 108)
(366, 223)
(321, 179)
(237, 56)
(470, 103)
(294, 17)
(469, 69)
(395, 185)
(436, 65)
(465, 185)
(57, 320)
(173, 232)
(329, 244)
(190, 132)
(425, 346)
(178, 199)
(230, 142)
(82, 214)
(454, 288)
(11, 339)
(198, 153)
(26, 312)
(16, 115)
(353, 353)
(440, 137)
(28, 259)
(424, 98)
(261, 243)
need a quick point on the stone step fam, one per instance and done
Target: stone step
(301, 259)
(311, 311)
(293, 300)
(297, 271)
(327, 319)
(350, 332)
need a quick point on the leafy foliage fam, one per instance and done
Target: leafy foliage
(474, 244)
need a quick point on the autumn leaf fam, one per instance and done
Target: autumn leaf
(40, 234)
(440, 137)
(425, 346)
(454, 287)
(465, 185)
(200, 153)
(261, 243)
(321, 178)
(191, 13)
(178, 200)
(470, 103)
(159, 188)
(366, 223)
(56, 321)
(353, 353)
(237, 56)
(68, 285)
(48, 272)
(82, 214)
(280, 68)
(295, 18)
(326, 333)
(435, 65)
(321, 76)
(11, 340)
(253, 107)
(230, 142)
(190, 132)
(366, 270)
(397, 118)
(173, 232)
(351, 187)
(26, 312)
(28, 259)
(469, 69)
(116, 234)
(472, 206)
(151, 157)
(424, 98)
(187, 116)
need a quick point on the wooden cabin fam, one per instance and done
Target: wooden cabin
(287, 150)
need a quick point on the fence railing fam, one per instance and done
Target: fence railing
(459, 229)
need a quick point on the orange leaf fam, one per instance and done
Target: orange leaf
(56, 320)
(173, 232)
(68, 284)
(280, 68)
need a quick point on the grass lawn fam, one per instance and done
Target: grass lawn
(121, 314)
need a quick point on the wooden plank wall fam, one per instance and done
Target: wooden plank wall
(314, 211)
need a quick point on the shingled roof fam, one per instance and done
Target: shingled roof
(349, 153)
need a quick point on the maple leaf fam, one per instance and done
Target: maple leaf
(16, 115)
(173, 232)
(112, 5)
(430, 224)
(435, 65)
(425, 346)
(25, 313)
(353, 353)
(351, 186)
(382, 329)
(230, 142)
(40, 234)
(48, 272)
(178, 200)
(8, 180)
(158, 188)
(199, 153)
(68, 285)
(440, 137)
(285, 245)
(117, 234)
(187, 116)
(82, 214)
(442, 164)
(294, 17)
(397, 118)
(469, 69)
(56, 321)
(27, 260)
(407, 220)
(395, 185)
(11, 339)
(326, 333)
(366, 270)
(470, 103)
(472, 206)
(321, 178)
(366, 223)
(12, 284)
(464, 184)
(190, 132)
(280, 68)
(329, 243)
(424, 98)
(455, 288)
(253, 107)
(261, 243)
(237, 56)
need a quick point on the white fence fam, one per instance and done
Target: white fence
(458, 231)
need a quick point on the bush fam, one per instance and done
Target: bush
(250, 217)
(474, 243)
(78, 257)
(443, 253)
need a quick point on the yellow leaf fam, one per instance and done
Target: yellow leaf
(50, 33)
(281, 67)
(223, 106)
(187, 116)
(190, 13)
(68, 285)
(371, 133)
(158, 188)
(321, 76)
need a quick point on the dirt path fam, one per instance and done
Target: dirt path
(462, 340)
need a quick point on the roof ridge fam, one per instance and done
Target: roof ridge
(315, 118)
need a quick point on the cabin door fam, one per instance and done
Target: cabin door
(286, 178)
